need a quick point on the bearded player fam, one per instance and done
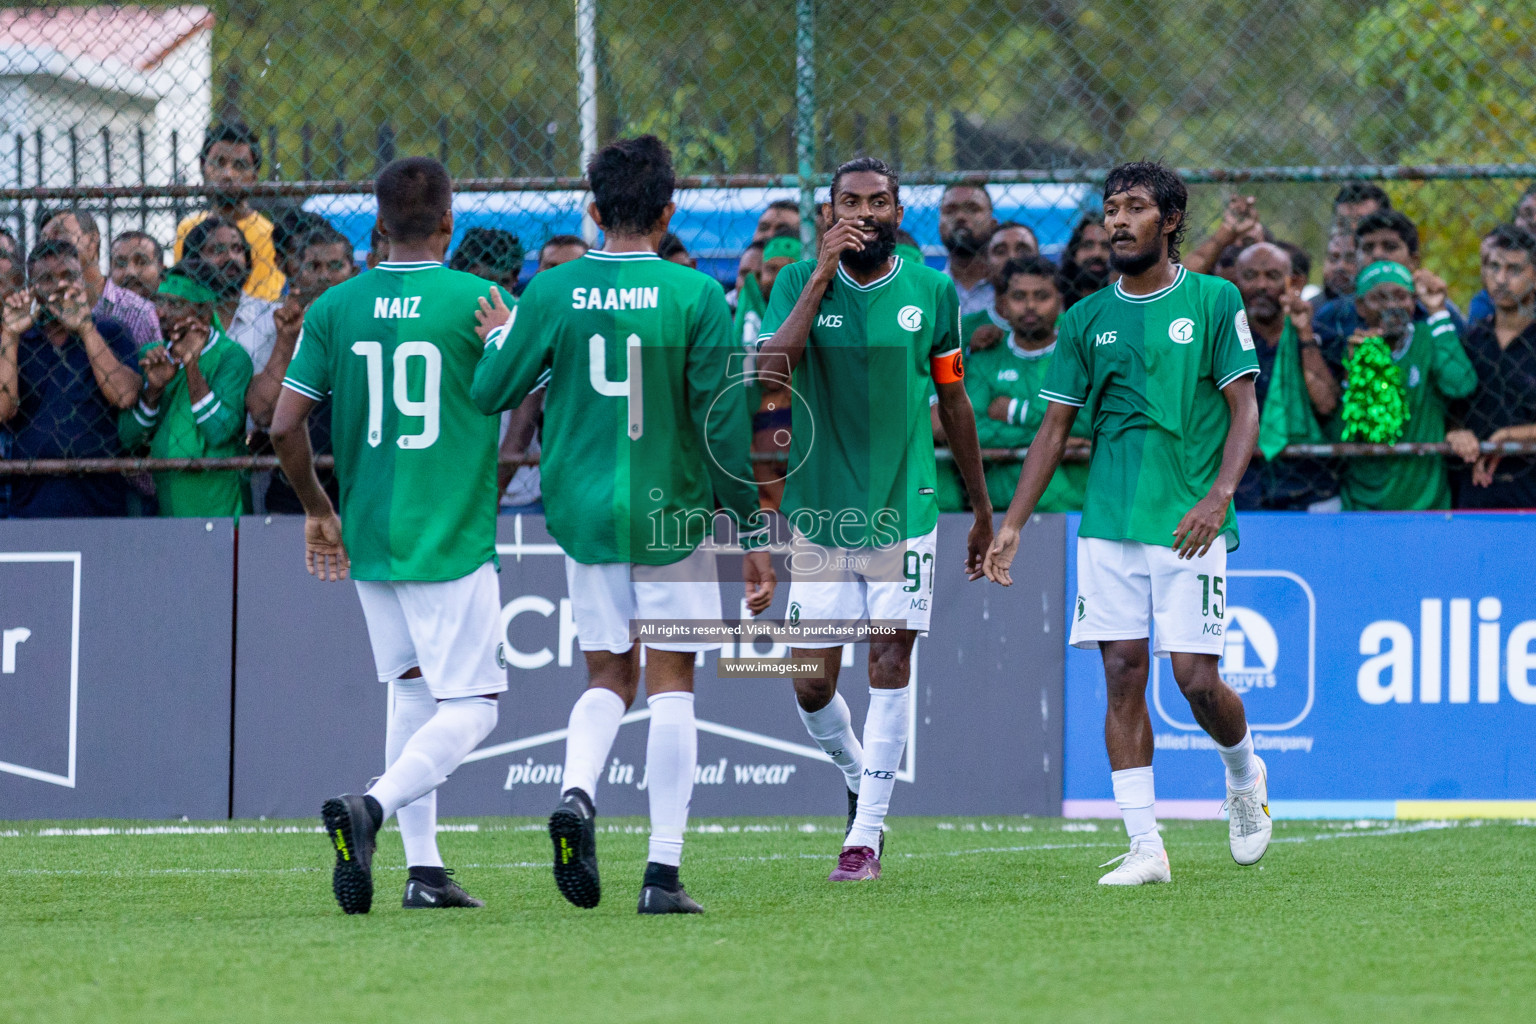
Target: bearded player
(396, 350)
(1164, 363)
(866, 333)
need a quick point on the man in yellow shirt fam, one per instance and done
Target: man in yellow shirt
(231, 159)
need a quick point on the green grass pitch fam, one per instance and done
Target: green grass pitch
(975, 920)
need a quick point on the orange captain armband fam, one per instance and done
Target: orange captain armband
(947, 368)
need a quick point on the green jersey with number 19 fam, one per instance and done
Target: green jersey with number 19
(1150, 369)
(861, 444)
(645, 421)
(396, 348)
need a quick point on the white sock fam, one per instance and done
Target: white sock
(410, 707)
(671, 752)
(832, 729)
(1134, 795)
(431, 755)
(1242, 769)
(885, 738)
(588, 738)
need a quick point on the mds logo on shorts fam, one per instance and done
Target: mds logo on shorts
(1268, 656)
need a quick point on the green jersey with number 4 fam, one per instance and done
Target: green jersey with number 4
(1148, 370)
(861, 448)
(396, 348)
(646, 421)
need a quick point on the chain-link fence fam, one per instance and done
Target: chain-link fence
(106, 110)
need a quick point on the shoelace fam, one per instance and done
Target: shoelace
(1246, 811)
(1133, 851)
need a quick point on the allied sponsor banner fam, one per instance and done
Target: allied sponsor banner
(987, 694)
(1387, 663)
(115, 639)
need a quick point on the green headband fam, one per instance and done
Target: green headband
(184, 287)
(1383, 272)
(910, 252)
(782, 247)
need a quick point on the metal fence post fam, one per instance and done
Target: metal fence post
(805, 116)
(586, 96)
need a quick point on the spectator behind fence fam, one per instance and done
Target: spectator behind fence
(1011, 241)
(193, 403)
(1356, 200)
(1502, 348)
(1434, 369)
(672, 249)
(136, 263)
(749, 303)
(291, 228)
(966, 224)
(558, 249)
(1383, 236)
(1003, 381)
(1301, 270)
(1085, 267)
(1339, 267)
(1296, 390)
(1481, 306)
(231, 158)
(325, 259)
(8, 244)
(64, 377)
(136, 313)
(492, 254)
(219, 256)
(13, 278)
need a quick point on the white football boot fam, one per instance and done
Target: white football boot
(1248, 823)
(1144, 863)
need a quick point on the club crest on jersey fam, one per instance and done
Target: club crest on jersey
(399, 308)
(794, 613)
(1182, 331)
(910, 318)
(1244, 335)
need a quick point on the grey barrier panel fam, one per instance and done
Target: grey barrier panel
(115, 682)
(988, 695)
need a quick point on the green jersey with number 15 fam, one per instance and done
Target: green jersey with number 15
(396, 348)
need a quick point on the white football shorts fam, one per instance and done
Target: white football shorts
(1127, 590)
(851, 585)
(605, 598)
(449, 629)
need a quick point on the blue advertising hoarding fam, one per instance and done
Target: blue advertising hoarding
(1387, 662)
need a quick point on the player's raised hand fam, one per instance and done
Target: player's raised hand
(844, 235)
(1000, 556)
(1200, 526)
(324, 554)
(757, 572)
(491, 315)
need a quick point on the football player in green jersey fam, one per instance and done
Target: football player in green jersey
(631, 471)
(1164, 362)
(865, 334)
(396, 350)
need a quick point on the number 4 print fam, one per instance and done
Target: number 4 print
(629, 388)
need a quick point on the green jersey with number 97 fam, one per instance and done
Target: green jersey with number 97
(396, 348)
